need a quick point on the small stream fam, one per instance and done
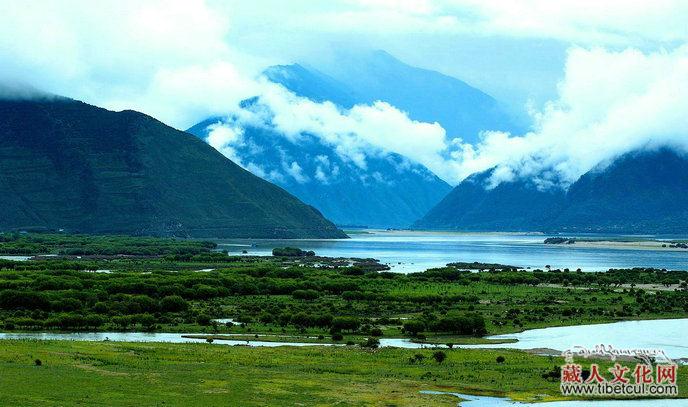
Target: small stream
(667, 335)
(180, 338)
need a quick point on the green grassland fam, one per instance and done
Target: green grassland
(125, 374)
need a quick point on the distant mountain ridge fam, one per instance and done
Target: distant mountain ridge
(639, 192)
(510, 206)
(391, 191)
(428, 96)
(312, 84)
(68, 165)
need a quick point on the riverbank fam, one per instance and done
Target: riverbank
(119, 374)
(443, 340)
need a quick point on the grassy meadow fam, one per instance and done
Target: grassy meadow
(125, 374)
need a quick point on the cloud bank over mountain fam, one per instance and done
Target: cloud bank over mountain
(609, 103)
(623, 86)
(355, 133)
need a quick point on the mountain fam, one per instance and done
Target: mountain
(510, 206)
(68, 165)
(639, 192)
(425, 95)
(312, 84)
(390, 191)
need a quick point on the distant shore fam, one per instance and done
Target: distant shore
(620, 244)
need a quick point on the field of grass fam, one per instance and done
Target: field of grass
(125, 374)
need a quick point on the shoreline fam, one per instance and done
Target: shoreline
(648, 245)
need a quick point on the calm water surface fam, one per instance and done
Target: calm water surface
(407, 251)
(668, 335)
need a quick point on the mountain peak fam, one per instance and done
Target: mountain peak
(429, 96)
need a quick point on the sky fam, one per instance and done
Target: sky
(595, 79)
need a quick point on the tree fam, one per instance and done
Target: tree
(291, 252)
(500, 359)
(418, 357)
(439, 356)
(466, 324)
(94, 320)
(414, 326)
(173, 303)
(345, 323)
(301, 319)
(147, 321)
(203, 319)
(122, 322)
(101, 308)
(305, 294)
(13, 299)
(376, 332)
(371, 342)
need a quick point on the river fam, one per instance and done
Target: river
(668, 335)
(408, 251)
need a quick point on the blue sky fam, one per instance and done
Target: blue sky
(595, 78)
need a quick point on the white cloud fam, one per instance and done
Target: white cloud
(225, 139)
(610, 103)
(166, 58)
(176, 60)
(320, 175)
(355, 134)
(295, 171)
(611, 22)
(586, 22)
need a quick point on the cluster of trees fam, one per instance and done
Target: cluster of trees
(123, 299)
(291, 252)
(64, 244)
(566, 277)
(76, 310)
(62, 294)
